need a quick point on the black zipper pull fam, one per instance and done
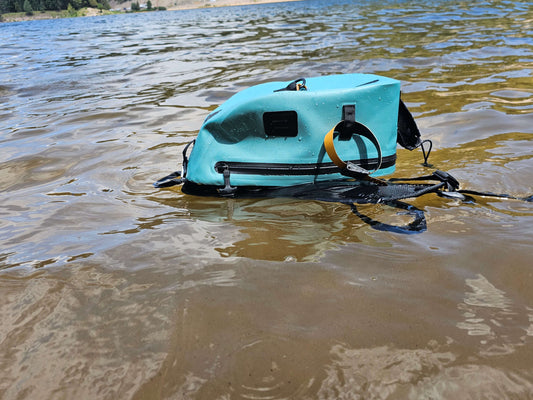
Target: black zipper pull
(227, 190)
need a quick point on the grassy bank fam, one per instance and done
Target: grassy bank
(83, 12)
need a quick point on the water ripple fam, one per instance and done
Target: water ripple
(125, 291)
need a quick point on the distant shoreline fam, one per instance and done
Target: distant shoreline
(91, 12)
(223, 3)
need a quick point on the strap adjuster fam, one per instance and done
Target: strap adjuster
(451, 183)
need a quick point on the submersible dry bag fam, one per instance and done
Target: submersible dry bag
(327, 138)
(273, 134)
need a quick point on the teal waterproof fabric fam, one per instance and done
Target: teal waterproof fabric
(265, 137)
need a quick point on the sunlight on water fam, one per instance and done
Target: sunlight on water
(114, 289)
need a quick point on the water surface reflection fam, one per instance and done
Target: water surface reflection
(114, 289)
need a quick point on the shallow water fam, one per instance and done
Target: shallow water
(113, 289)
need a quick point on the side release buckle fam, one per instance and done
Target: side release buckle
(452, 184)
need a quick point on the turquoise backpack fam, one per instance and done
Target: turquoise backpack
(306, 131)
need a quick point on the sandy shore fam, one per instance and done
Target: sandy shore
(192, 4)
(217, 3)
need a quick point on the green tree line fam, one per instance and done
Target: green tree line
(29, 6)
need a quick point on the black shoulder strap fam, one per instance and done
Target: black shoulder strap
(418, 223)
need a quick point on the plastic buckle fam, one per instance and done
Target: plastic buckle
(451, 182)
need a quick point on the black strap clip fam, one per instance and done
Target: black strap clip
(172, 179)
(452, 184)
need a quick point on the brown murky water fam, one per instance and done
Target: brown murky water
(111, 289)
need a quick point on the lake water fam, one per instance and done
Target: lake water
(112, 289)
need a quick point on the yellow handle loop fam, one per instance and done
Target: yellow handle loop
(330, 149)
(332, 153)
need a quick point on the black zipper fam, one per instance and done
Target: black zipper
(249, 168)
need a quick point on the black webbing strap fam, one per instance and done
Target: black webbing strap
(172, 179)
(417, 225)
(186, 158)
(529, 199)
(347, 192)
(452, 184)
